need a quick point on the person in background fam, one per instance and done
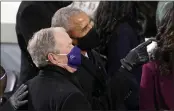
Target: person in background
(31, 17)
(16, 100)
(122, 25)
(157, 82)
(123, 86)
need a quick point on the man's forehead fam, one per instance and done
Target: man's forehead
(60, 33)
(80, 19)
(59, 29)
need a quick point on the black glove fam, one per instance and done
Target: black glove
(136, 56)
(16, 99)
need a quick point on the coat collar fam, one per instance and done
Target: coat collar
(53, 70)
(56, 71)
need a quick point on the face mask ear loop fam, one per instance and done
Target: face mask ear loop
(58, 54)
(63, 64)
(62, 54)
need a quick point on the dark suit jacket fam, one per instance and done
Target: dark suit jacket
(54, 89)
(103, 91)
(156, 91)
(123, 90)
(31, 17)
(123, 39)
(92, 81)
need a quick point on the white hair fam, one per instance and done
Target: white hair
(62, 16)
(42, 43)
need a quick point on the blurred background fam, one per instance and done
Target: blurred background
(10, 51)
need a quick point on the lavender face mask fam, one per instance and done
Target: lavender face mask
(74, 57)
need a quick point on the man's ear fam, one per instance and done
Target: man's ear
(52, 58)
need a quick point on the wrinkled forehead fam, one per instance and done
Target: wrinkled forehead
(60, 32)
(59, 29)
(61, 36)
(80, 20)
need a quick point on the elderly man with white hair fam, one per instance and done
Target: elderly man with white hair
(55, 87)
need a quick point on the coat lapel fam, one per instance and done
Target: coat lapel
(91, 68)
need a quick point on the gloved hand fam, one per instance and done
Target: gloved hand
(16, 99)
(136, 56)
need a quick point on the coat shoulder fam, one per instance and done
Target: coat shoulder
(26, 4)
(51, 92)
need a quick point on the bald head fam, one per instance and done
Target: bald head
(45, 41)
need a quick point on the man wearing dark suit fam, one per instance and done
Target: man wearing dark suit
(31, 17)
(91, 74)
(55, 88)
